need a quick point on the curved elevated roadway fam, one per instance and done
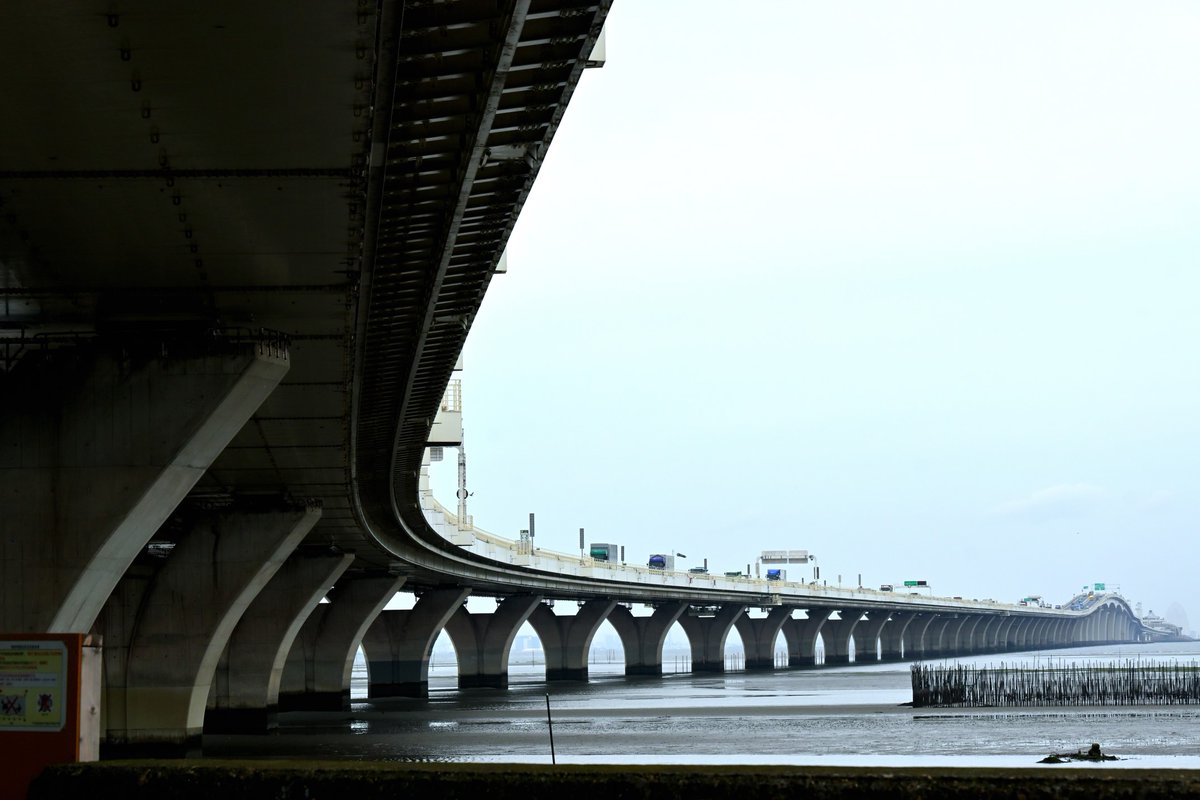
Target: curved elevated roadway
(241, 246)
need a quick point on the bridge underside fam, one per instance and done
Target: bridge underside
(241, 246)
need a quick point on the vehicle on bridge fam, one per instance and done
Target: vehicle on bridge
(661, 561)
(604, 552)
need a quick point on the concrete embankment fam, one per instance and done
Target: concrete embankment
(235, 780)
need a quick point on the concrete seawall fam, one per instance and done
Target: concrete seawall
(234, 780)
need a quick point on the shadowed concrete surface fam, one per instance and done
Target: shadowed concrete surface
(233, 780)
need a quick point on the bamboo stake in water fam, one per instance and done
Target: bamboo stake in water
(550, 722)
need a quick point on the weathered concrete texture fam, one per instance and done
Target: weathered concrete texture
(483, 641)
(801, 636)
(196, 780)
(96, 451)
(759, 635)
(566, 639)
(245, 693)
(398, 644)
(707, 636)
(643, 637)
(160, 665)
(317, 674)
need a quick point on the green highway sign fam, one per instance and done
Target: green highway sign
(910, 583)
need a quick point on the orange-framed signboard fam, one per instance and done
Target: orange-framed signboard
(49, 704)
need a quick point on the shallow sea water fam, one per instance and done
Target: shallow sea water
(825, 716)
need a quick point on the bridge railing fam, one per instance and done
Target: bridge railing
(509, 551)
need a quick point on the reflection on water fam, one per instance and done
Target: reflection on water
(841, 715)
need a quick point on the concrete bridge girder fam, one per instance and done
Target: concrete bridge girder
(245, 693)
(707, 636)
(643, 637)
(125, 440)
(483, 641)
(317, 674)
(398, 644)
(161, 659)
(566, 640)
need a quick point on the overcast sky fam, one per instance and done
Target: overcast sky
(911, 285)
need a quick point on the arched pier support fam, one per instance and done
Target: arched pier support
(643, 637)
(759, 635)
(566, 640)
(399, 643)
(707, 636)
(483, 641)
(97, 449)
(245, 694)
(162, 644)
(317, 674)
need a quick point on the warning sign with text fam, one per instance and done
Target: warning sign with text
(33, 684)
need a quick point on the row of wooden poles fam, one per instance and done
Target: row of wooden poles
(1131, 683)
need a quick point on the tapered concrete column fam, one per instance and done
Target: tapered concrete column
(398, 644)
(707, 636)
(867, 635)
(967, 637)
(245, 695)
(759, 635)
(96, 451)
(937, 643)
(801, 636)
(988, 630)
(643, 637)
(1006, 635)
(1041, 632)
(916, 639)
(566, 640)
(483, 641)
(837, 634)
(1020, 636)
(970, 635)
(159, 673)
(892, 643)
(317, 674)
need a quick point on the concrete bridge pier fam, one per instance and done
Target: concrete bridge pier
(917, 640)
(97, 448)
(316, 676)
(868, 634)
(567, 640)
(165, 631)
(838, 634)
(801, 636)
(759, 635)
(1006, 634)
(940, 638)
(891, 638)
(978, 635)
(643, 637)
(245, 693)
(399, 643)
(483, 641)
(707, 636)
